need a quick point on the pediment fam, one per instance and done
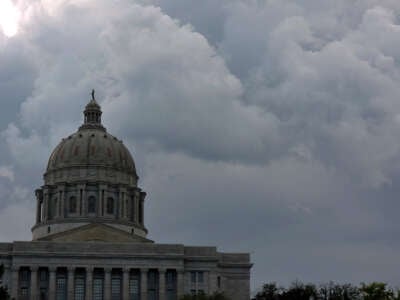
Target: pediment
(96, 232)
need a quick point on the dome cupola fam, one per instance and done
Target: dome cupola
(92, 115)
(90, 182)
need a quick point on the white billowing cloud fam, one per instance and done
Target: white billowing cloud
(328, 74)
(325, 73)
(161, 82)
(330, 92)
(283, 124)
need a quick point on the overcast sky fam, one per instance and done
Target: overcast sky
(270, 127)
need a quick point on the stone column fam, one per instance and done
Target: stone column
(46, 206)
(38, 212)
(180, 283)
(52, 282)
(80, 200)
(71, 282)
(161, 286)
(213, 281)
(60, 203)
(34, 283)
(107, 283)
(136, 203)
(84, 201)
(120, 205)
(14, 282)
(89, 283)
(99, 202)
(125, 283)
(63, 202)
(103, 197)
(124, 205)
(143, 284)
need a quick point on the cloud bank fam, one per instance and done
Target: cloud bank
(268, 126)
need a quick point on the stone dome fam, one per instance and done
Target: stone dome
(90, 180)
(91, 147)
(91, 153)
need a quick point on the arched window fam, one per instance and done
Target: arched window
(72, 205)
(110, 205)
(92, 205)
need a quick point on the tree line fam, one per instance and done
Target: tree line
(328, 291)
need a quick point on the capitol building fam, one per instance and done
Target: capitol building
(90, 239)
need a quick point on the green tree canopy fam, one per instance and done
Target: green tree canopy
(376, 291)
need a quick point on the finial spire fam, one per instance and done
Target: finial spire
(92, 114)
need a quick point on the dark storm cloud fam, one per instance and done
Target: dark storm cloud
(269, 126)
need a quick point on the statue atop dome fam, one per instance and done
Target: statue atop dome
(92, 115)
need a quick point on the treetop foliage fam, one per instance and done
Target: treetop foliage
(328, 291)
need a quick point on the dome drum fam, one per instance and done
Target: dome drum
(74, 204)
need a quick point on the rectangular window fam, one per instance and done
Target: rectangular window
(24, 291)
(110, 206)
(116, 288)
(92, 205)
(134, 289)
(43, 294)
(193, 277)
(43, 284)
(171, 285)
(61, 288)
(24, 283)
(152, 281)
(98, 289)
(25, 275)
(200, 277)
(43, 275)
(79, 289)
(73, 205)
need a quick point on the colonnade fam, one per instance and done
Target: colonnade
(71, 273)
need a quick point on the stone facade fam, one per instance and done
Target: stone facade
(90, 241)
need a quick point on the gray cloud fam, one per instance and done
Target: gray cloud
(269, 127)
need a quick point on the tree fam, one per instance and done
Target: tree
(270, 291)
(376, 291)
(3, 291)
(215, 296)
(333, 291)
(300, 291)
